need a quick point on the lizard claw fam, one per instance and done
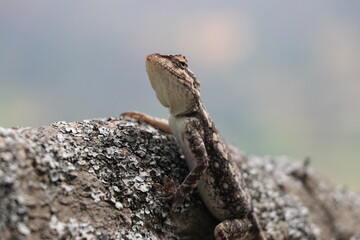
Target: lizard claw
(171, 192)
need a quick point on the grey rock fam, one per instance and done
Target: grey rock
(94, 180)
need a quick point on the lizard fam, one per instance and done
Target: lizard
(212, 171)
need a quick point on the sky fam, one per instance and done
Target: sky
(278, 77)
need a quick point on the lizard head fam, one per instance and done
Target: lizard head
(175, 85)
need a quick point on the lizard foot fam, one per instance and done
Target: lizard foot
(172, 193)
(134, 115)
(161, 124)
(232, 229)
(246, 228)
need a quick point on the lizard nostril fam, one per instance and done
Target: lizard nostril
(148, 58)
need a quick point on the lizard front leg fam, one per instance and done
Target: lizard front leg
(197, 148)
(194, 141)
(159, 123)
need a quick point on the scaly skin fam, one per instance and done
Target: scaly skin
(212, 170)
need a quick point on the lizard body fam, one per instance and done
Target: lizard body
(220, 183)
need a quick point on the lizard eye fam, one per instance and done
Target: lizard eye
(181, 64)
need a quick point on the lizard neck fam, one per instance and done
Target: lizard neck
(199, 112)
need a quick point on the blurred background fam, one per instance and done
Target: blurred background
(278, 77)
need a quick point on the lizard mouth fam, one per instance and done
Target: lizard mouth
(152, 57)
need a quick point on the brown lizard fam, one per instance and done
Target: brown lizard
(221, 185)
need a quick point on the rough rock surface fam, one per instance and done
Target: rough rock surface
(94, 180)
